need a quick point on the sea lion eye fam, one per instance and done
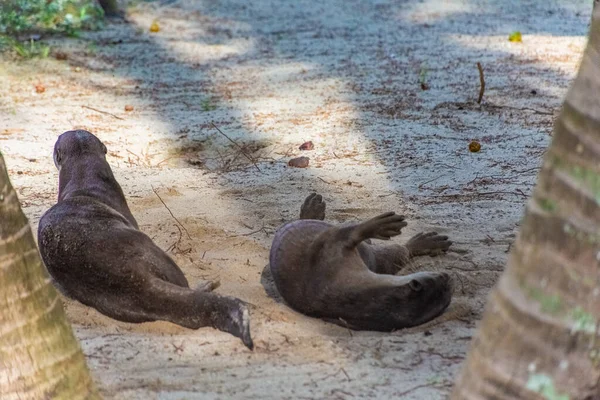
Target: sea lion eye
(104, 149)
(415, 285)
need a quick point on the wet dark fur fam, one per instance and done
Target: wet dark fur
(331, 272)
(95, 253)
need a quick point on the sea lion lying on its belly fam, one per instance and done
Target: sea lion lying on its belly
(334, 273)
(95, 253)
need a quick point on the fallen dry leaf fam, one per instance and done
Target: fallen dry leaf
(39, 88)
(515, 37)
(61, 55)
(128, 108)
(154, 27)
(307, 146)
(299, 162)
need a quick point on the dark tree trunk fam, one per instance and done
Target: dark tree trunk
(110, 7)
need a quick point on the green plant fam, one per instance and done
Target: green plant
(29, 49)
(64, 16)
(207, 105)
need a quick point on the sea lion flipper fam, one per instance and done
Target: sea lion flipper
(195, 309)
(313, 207)
(236, 321)
(428, 243)
(207, 286)
(384, 227)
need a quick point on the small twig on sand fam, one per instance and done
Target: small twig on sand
(256, 231)
(481, 83)
(527, 170)
(102, 112)
(429, 181)
(521, 192)
(345, 373)
(460, 280)
(170, 212)
(413, 389)
(174, 245)
(135, 155)
(163, 161)
(342, 391)
(238, 146)
(521, 109)
(517, 192)
(224, 163)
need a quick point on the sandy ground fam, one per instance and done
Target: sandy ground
(272, 74)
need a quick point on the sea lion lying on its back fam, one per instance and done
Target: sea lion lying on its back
(95, 253)
(334, 273)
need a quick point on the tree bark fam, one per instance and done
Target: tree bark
(110, 7)
(539, 337)
(39, 355)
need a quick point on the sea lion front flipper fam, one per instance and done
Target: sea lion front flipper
(384, 227)
(196, 309)
(207, 286)
(429, 243)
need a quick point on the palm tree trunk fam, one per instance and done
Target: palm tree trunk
(539, 337)
(110, 7)
(39, 355)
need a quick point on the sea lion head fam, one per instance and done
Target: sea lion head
(74, 144)
(426, 295)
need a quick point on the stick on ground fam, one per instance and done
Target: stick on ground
(238, 146)
(481, 83)
(102, 112)
(170, 212)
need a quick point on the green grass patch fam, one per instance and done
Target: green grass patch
(23, 18)
(38, 16)
(207, 105)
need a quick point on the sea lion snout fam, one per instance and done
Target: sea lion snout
(431, 293)
(74, 144)
(443, 278)
(439, 284)
(428, 280)
(446, 283)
